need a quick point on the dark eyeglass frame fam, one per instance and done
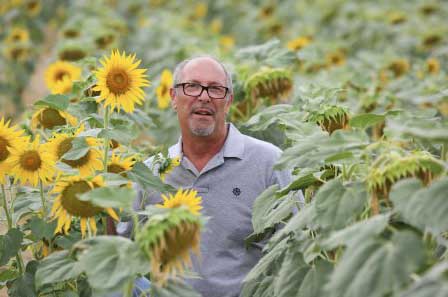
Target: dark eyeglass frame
(203, 88)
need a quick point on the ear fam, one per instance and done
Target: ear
(173, 98)
(228, 103)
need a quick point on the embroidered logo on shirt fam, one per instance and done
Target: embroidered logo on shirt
(236, 191)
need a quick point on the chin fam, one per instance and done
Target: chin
(202, 131)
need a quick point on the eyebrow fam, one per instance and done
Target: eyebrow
(209, 83)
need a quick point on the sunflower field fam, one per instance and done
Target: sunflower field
(355, 92)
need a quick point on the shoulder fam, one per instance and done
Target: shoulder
(261, 149)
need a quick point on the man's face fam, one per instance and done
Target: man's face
(202, 115)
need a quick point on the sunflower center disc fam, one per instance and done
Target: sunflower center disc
(115, 168)
(71, 203)
(60, 75)
(50, 118)
(64, 147)
(117, 81)
(30, 160)
(4, 153)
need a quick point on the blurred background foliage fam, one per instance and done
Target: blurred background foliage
(380, 55)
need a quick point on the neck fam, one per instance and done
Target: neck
(200, 149)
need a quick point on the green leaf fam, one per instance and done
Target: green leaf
(40, 228)
(432, 284)
(315, 280)
(268, 210)
(305, 179)
(78, 150)
(312, 150)
(59, 102)
(25, 203)
(366, 120)
(110, 261)
(376, 267)
(10, 244)
(90, 133)
(142, 175)
(24, 285)
(356, 233)
(422, 207)
(8, 275)
(116, 197)
(176, 288)
(337, 205)
(291, 274)
(120, 134)
(57, 267)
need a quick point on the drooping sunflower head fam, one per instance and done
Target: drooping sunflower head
(272, 83)
(168, 237)
(32, 163)
(59, 76)
(67, 204)
(298, 43)
(432, 39)
(394, 166)
(48, 118)
(163, 90)
(399, 67)
(329, 117)
(168, 165)
(105, 39)
(18, 35)
(396, 17)
(73, 50)
(61, 143)
(120, 82)
(10, 137)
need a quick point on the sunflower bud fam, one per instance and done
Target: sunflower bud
(330, 117)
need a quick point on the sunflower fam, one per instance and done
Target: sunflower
(168, 165)
(336, 58)
(168, 236)
(187, 198)
(32, 162)
(61, 143)
(227, 42)
(18, 35)
(216, 25)
(10, 138)
(48, 118)
(17, 52)
(163, 90)
(33, 7)
(298, 43)
(432, 66)
(60, 75)
(120, 82)
(68, 205)
(120, 166)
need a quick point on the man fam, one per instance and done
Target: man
(228, 169)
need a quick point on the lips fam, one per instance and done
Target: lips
(203, 111)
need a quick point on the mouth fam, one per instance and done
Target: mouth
(203, 112)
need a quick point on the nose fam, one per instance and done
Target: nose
(204, 96)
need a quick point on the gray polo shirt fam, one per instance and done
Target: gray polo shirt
(228, 185)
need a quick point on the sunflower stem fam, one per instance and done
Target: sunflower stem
(444, 152)
(42, 198)
(128, 288)
(106, 137)
(5, 206)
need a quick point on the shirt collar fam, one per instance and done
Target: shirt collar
(233, 146)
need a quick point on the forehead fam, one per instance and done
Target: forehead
(204, 70)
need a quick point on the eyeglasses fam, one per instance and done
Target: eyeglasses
(195, 90)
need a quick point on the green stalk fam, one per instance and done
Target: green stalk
(42, 198)
(128, 288)
(106, 138)
(5, 206)
(9, 219)
(443, 155)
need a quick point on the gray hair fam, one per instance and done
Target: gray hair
(179, 67)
